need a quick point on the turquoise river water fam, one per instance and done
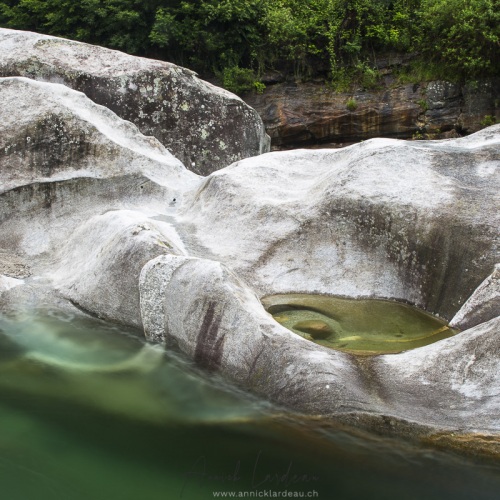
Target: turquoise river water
(89, 411)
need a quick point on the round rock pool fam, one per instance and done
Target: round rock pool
(360, 326)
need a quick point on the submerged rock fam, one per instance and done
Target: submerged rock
(317, 329)
(204, 126)
(358, 326)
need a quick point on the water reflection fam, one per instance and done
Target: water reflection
(89, 410)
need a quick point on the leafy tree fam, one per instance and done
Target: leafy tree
(237, 40)
(463, 35)
(120, 24)
(209, 35)
(338, 31)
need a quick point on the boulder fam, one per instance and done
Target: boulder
(412, 221)
(206, 311)
(98, 268)
(65, 159)
(216, 319)
(452, 384)
(384, 219)
(206, 127)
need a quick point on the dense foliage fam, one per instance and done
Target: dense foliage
(238, 40)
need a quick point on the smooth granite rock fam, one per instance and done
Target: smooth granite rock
(211, 315)
(65, 159)
(482, 305)
(417, 222)
(205, 310)
(204, 126)
(96, 215)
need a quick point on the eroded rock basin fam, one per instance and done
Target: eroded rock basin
(360, 326)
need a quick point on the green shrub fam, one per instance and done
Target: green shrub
(488, 120)
(462, 36)
(240, 80)
(259, 87)
(423, 104)
(351, 104)
(367, 76)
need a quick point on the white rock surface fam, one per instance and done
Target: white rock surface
(98, 268)
(7, 282)
(482, 305)
(64, 159)
(204, 126)
(87, 201)
(207, 312)
(406, 220)
(453, 383)
(212, 316)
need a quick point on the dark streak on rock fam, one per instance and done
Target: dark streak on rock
(209, 347)
(82, 309)
(253, 365)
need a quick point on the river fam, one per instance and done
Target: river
(90, 411)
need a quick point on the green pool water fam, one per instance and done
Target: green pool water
(90, 411)
(362, 326)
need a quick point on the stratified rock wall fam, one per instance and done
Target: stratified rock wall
(205, 127)
(310, 114)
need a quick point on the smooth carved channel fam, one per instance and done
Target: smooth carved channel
(360, 326)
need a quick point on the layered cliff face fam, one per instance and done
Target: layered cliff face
(206, 127)
(311, 114)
